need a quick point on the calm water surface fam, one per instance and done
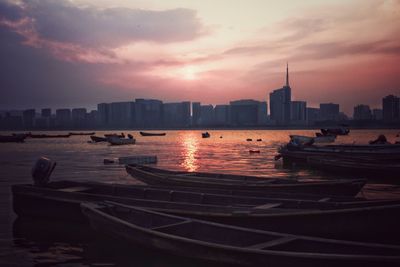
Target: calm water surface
(27, 243)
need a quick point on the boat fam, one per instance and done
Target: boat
(117, 141)
(312, 140)
(16, 138)
(205, 135)
(228, 244)
(49, 135)
(152, 176)
(76, 133)
(365, 220)
(335, 131)
(151, 134)
(97, 139)
(249, 139)
(122, 135)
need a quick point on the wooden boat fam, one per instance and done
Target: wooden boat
(311, 140)
(76, 133)
(153, 176)
(335, 131)
(122, 135)
(117, 141)
(205, 135)
(365, 220)
(12, 138)
(151, 134)
(233, 245)
(49, 135)
(97, 139)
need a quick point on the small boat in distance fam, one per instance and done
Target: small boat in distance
(49, 135)
(229, 244)
(117, 141)
(205, 135)
(97, 139)
(311, 140)
(15, 138)
(76, 133)
(122, 135)
(335, 131)
(151, 134)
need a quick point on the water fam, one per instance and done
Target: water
(27, 243)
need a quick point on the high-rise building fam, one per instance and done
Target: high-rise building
(46, 112)
(329, 111)
(28, 118)
(362, 112)
(63, 118)
(196, 113)
(222, 115)
(206, 115)
(391, 108)
(248, 112)
(148, 113)
(298, 113)
(280, 103)
(176, 114)
(312, 115)
(377, 114)
(120, 114)
(103, 110)
(78, 116)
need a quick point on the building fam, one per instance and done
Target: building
(221, 115)
(46, 112)
(63, 118)
(196, 113)
(298, 113)
(391, 109)
(28, 117)
(329, 111)
(312, 115)
(248, 112)
(78, 116)
(206, 115)
(362, 112)
(148, 113)
(377, 114)
(121, 114)
(176, 115)
(103, 114)
(280, 103)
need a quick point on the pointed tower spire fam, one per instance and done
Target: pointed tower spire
(287, 74)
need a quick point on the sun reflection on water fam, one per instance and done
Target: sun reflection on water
(190, 147)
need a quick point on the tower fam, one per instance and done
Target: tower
(287, 74)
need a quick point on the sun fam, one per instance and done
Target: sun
(189, 73)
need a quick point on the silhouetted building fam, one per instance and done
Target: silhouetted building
(298, 113)
(46, 112)
(248, 112)
(121, 114)
(391, 108)
(196, 113)
(280, 103)
(206, 115)
(362, 112)
(221, 113)
(148, 113)
(312, 115)
(329, 111)
(78, 116)
(28, 118)
(377, 114)
(103, 110)
(91, 119)
(176, 114)
(12, 120)
(63, 118)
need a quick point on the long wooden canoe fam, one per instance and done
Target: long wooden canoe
(367, 221)
(152, 176)
(227, 244)
(151, 134)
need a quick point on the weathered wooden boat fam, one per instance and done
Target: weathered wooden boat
(97, 139)
(228, 244)
(356, 220)
(154, 176)
(335, 131)
(117, 141)
(49, 135)
(151, 134)
(205, 135)
(121, 135)
(18, 138)
(83, 133)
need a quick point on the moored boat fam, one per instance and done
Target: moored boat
(83, 133)
(227, 244)
(151, 134)
(335, 131)
(97, 139)
(16, 138)
(116, 141)
(49, 135)
(205, 135)
(152, 176)
(311, 139)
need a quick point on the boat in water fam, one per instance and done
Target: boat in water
(205, 135)
(15, 138)
(151, 134)
(83, 133)
(154, 176)
(229, 244)
(97, 139)
(49, 135)
(117, 141)
(336, 131)
(311, 140)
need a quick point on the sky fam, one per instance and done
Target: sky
(79, 53)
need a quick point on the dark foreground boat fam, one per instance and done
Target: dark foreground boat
(97, 139)
(151, 134)
(153, 176)
(227, 244)
(76, 133)
(358, 220)
(49, 135)
(17, 138)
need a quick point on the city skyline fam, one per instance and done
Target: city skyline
(98, 51)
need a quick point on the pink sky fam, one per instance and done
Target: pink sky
(345, 52)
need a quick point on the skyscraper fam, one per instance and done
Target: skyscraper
(280, 100)
(362, 112)
(329, 111)
(391, 108)
(298, 112)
